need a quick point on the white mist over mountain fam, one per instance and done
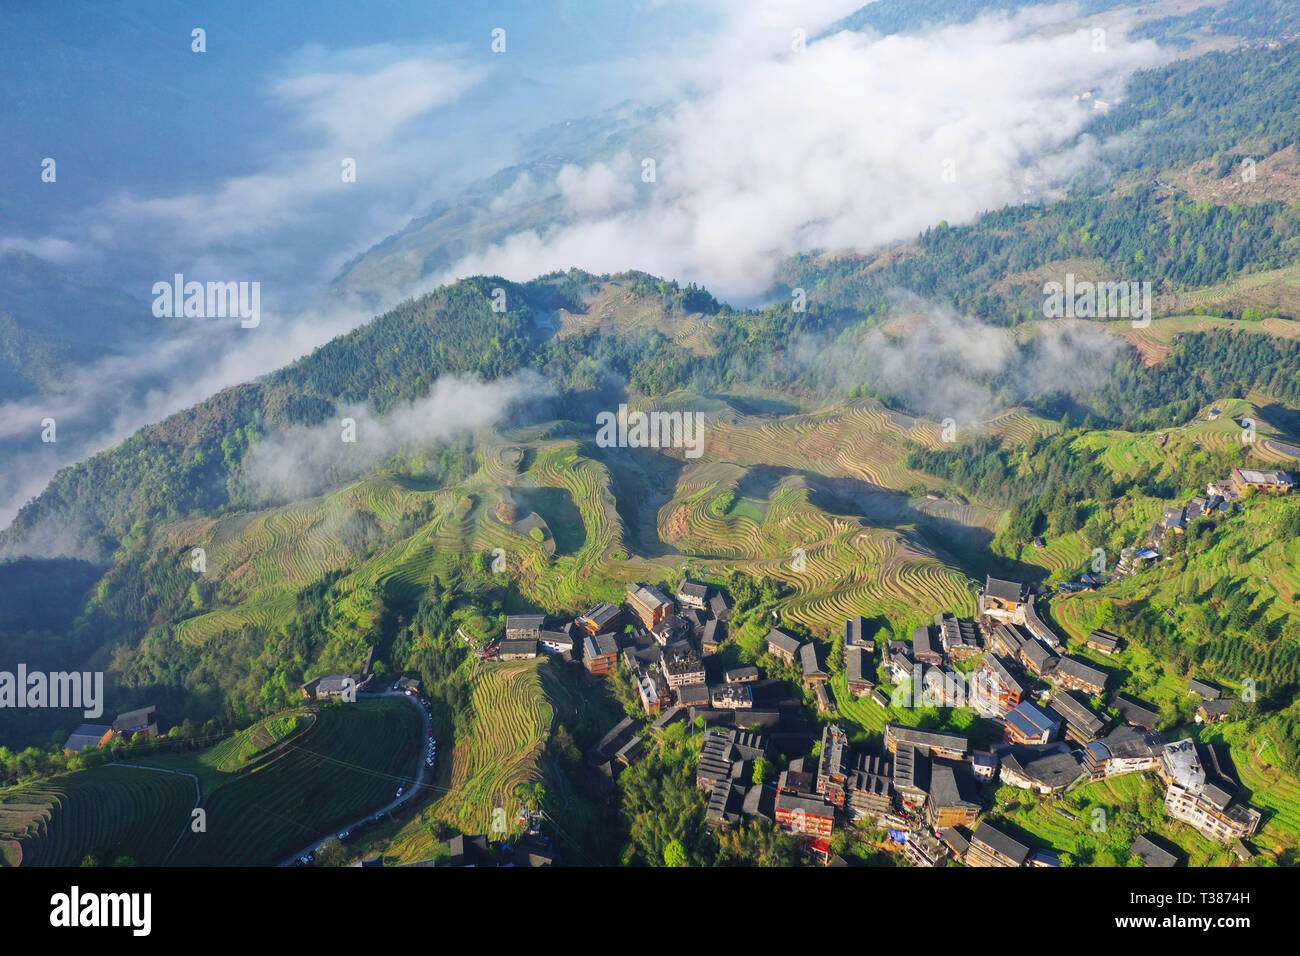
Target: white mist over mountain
(304, 461)
(764, 150)
(843, 145)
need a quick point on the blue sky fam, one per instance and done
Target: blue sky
(113, 92)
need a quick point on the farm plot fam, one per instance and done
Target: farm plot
(347, 765)
(511, 724)
(110, 811)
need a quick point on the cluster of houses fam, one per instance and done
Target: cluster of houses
(1220, 498)
(671, 656)
(143, 720)
(680, 632)
(1057, 738)
(793, 651)
(929, 787)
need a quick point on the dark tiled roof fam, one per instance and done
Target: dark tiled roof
(601, 614)
(949, 786)
(1135, 711)
(1050, 767)
(1217, 706)
(1038, 656)
(923, 643)
(525, 622)
(989, 835)
(693, 590)
(1079, 670)
(714, 633)
(855, 629)
(808, 657)
(911, 770)
(1030, 719)
(1205, 689)
(1011, 635)
(87, 735)
(1104, 638)
(811, 806)
(853, 671)
(647, 595)
(917, 737)
(784, 641)
(600, 645)
(1003, 673)
(693, 695)
(1152, 854)
(956, 839)
(718, 605)
(1074, 712)
(668, 716)
(1012, 591)
(517, 647)
(145, 715)
(1125, 743)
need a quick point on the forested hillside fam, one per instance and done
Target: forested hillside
(850, 467)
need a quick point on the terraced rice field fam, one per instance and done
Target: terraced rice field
(1276, 795)
(108, 810)
(263, 613)
(818, 472)
(1267, 290)
(1069, 612)
(1126, 453)
(618, 308)
(863, 440)
(866, 571)
(1017, 425)
(236, 752)
(838, 564)
(348, 764)
(1064, 553)
(1119, 798)
(1155, 341)
(511, 724)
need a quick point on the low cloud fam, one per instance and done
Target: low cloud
(855, 142)
(105, 402)
(305, 461)
(287, 225)
(944, 364)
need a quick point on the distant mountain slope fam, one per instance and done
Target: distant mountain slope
(183, 463)
(906, 16)
(521, 197)
(52, 323)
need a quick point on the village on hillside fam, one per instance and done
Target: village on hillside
(1049, 719)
